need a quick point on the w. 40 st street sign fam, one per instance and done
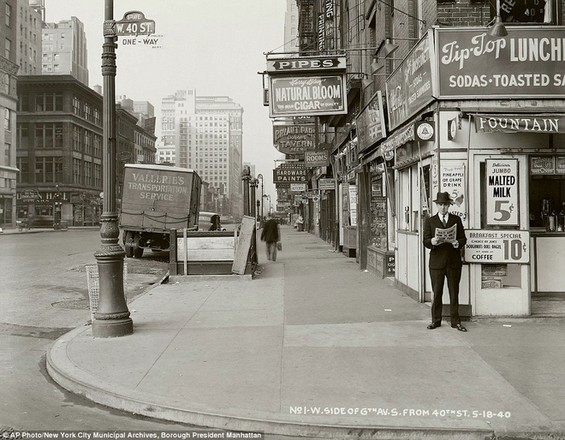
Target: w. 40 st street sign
(133, 23)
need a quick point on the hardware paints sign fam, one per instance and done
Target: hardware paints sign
(527, 62)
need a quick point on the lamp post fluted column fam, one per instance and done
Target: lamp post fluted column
(246, 177)
(112, 317)
(260, 176)
(252, 205)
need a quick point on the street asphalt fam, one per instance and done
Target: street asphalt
(314, 347)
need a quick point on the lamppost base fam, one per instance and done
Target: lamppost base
(111, 328)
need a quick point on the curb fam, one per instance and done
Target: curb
(69, 376)
(65, 373)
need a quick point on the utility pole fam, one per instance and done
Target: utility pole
(112, 317)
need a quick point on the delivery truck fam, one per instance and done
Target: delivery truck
(156, 199)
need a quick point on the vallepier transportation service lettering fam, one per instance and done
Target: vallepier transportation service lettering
(156, 187)
(139, 435)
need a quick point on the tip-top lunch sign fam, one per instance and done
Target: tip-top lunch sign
(526, 62)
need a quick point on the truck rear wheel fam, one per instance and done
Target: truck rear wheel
(128, 244)
(137, 249)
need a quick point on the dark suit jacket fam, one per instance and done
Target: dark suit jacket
(444, 255)
(270, 232)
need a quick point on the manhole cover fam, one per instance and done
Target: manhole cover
(72, 304)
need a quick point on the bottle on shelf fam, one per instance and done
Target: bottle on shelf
(551, 222)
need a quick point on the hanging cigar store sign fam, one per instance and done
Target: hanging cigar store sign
(307, 86)
(502, 192)
(526, 62)
(294, 138)
(307, 95)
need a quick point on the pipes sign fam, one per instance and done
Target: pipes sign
(502, 192)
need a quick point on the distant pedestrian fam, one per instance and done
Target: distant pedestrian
(216, 225)
(271, 236)
(445, 236)
(300, 223)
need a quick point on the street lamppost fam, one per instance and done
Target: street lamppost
(112, 317)
(268, 196)
(260, 176)
(254, 184)
(246, 176)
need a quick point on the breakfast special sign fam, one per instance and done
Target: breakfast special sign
(529, 61)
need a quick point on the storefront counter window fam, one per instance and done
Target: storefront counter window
(547, 193)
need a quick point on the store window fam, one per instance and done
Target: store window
(23, 165)
(7, 48)
(547, 193)
(409, 203)
(378, 228)
(527, 11)
(8, 15)
(7, 119)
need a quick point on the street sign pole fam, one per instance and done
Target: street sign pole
(112, 317)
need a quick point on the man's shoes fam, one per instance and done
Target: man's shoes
(432, 326)
(459, 327)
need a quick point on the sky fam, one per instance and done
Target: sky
(214, 46)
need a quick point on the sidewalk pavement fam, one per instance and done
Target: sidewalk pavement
(11, 231)
(315, 347)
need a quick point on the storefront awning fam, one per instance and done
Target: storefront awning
(520, 123)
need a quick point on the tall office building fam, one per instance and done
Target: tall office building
(28, 47)
(165, 154)
(8, 106)
(64, 49)
(291, 40)
(207, 134)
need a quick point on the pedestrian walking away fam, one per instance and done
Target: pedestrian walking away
(445, 236)
(271, 236)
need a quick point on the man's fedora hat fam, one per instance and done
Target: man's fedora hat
(443, 197)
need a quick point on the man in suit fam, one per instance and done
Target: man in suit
(271, 236)
(445, 260)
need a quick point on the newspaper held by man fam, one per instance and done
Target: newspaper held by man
(446, 235)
